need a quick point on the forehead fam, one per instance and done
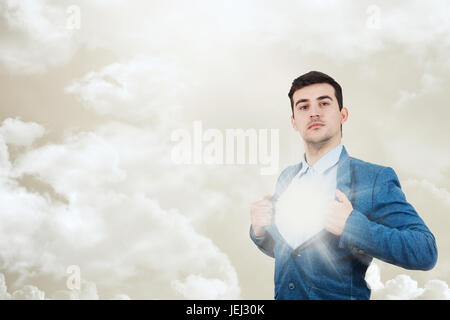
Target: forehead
(314, 91)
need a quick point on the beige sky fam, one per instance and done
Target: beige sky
(89, 103)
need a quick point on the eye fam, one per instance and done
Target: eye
(325, 103)
(302, 107)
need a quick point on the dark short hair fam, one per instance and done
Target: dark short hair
(314, 77)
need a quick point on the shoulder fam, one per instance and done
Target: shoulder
(372, 171)
(359, 164)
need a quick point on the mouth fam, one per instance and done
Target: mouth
(316, 125)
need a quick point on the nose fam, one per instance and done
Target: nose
(314, 110)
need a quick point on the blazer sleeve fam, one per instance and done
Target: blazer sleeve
(392, 231)
(264, 243)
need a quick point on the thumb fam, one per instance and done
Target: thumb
(341, 196)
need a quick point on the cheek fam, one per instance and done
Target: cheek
(333, 119)
(301, 125)
(297, 122)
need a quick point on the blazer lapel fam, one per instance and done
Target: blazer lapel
(344, 173)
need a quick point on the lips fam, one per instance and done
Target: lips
(317, 124)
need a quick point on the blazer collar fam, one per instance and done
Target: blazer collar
(343, 176)
(324, 163)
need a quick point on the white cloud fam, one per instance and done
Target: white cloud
(112, 227)
(37, 36)
(403, 287)
(142, 88)
(120, 186)
(418, 26)
(436, 290)
(373, 278)
(121, 297)
(4, 295)
(28, 293)
(87, 291)
(415, 159)
(198, 287)
(17, 132)
(5, 165)
(84, 162)
(429, 84)
(441, 194)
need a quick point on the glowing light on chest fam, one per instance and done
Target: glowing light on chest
(301, 208)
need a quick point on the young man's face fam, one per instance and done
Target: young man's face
(317, 104)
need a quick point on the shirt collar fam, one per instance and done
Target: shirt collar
(324, 163)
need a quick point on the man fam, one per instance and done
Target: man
(366, 214)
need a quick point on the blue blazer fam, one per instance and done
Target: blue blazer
(382, 225)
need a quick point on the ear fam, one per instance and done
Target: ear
(344, 114)
(293, 123)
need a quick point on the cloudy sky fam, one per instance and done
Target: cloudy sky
(93, 204)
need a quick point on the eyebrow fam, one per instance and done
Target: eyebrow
(319, 98)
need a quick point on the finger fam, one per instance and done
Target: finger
(264, 209)
(267, 197)
(265, 202)
(329, 227)
(341, 196)
(345, 198)
(263, 205)
(333, 224)
(263, 213)
(332, 219)
(262, 221)
(334, 204)
(262, 217)
(338, 194)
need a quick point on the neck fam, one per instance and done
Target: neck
(315, 151)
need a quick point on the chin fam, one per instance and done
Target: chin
(317, 140)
